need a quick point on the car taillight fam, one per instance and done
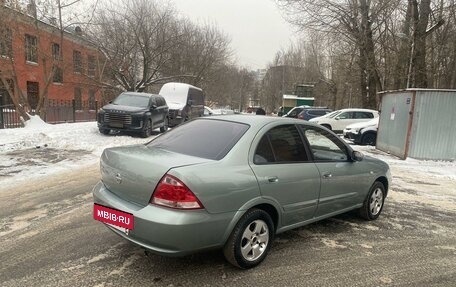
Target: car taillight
(171, 192)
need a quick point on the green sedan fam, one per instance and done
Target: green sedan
(233, 182)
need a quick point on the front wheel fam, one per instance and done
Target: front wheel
(164, 128)
(369, 139)
(373, 204)
(147, 131)
(104, 131)
(250, 240)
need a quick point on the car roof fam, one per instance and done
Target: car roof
(357, 110)
(258, 121)
(141, 94)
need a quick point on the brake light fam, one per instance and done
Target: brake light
(171, 192)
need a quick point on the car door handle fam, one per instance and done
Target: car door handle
(327, 175)
(273, 179)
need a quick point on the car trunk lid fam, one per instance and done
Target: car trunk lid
(133, 172)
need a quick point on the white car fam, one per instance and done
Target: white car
(364, 133)
(338, 120)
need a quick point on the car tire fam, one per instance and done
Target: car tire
(147, 131)
(327, 126)
(373, 204)
(369, 138)
(104, 131)
(164, 128)
(251, 239)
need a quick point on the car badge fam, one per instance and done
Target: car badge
(118, 178)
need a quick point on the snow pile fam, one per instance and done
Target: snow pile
(35, 122)
(42, 149)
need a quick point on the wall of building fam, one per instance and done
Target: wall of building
(40, 71)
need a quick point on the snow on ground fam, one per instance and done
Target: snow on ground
(42, 149)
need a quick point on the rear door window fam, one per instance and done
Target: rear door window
(282, 144)
(211, 139)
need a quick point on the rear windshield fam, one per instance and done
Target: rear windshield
(132, 101)
(211, 139)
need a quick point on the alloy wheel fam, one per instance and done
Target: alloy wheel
(376, 201)
(254, 240)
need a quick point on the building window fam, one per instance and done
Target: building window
(92, 66)
(55, 51)
(58, 75)
(77, 98)
(31, 49)
(77, 62)
(33, 94)
(5, 99)
(6, 42)
(92, 100)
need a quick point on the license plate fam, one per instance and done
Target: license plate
(118, 219)
(116, 125)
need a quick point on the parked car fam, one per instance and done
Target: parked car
(233, 182)
(208, 111)
(294, 112)
(313, 112)
(338, 120)
(134, 112)
(185, 102)
(364, 133)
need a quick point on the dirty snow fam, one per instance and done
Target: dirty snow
(42, 149)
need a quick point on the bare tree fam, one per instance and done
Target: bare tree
(146, 44)
(353, 21)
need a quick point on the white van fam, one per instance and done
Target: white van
(185, 102)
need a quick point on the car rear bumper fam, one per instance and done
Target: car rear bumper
(168, 231)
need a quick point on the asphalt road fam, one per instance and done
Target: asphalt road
(48, 238)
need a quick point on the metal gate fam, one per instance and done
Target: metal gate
(9, 118)
(395, 122)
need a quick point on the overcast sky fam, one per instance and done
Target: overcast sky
(256, 27)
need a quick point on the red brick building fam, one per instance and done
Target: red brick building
(43, 62)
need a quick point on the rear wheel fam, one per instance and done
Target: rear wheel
(147, 131)
(250, 240)
(369, 139)
(164, 128)
(373, 204)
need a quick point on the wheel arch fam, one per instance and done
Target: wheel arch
(270, 207)
(385, 183)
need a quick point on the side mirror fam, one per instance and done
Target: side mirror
(337, 118)
(190, 102)
(357, 156)
(153, 107)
